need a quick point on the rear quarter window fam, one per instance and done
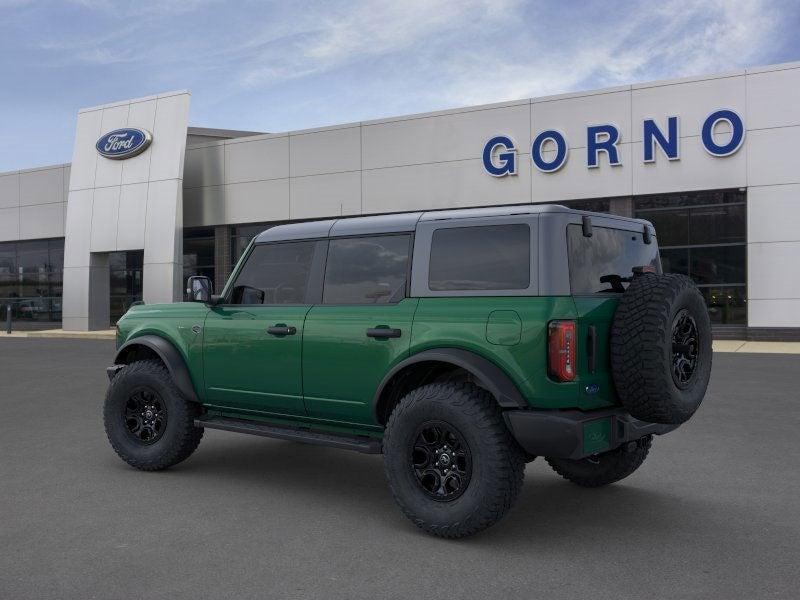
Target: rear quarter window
(607, 253)
(487, 257)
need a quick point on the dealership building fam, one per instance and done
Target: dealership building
(712, 161)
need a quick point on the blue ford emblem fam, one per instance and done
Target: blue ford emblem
(123, 143)
(592, 389)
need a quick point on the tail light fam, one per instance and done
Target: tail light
(561, 350)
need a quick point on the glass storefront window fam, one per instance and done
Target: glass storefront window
(726, 304)
(198, 252)
(31, 282)
(725, 224)
(672, 226)
(689, 199)
(125, 269)
(717, 265)
(704, 235)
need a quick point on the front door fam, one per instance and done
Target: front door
(361, 329)
(252, 341)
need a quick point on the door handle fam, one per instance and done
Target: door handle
(383, 332)
(281, 329)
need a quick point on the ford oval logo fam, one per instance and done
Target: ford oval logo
(123, 143)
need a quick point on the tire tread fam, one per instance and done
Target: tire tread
(505, 461)
(189, 436)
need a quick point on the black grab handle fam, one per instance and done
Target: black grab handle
(383, 332)
(281, 330)
(591, 349)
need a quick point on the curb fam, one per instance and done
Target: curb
(105, 334)
(730, 346)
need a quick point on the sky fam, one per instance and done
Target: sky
(278, 66)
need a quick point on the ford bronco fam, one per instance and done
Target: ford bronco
(459, 344)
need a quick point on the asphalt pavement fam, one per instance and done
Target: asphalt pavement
(713, 513)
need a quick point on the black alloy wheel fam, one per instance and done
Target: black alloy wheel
(685, 348)
(145, 416)
(441, 461)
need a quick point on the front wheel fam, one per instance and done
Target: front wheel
(606, 468)
(452, 465)
(148, 422)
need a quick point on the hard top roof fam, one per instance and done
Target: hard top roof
(402, 222)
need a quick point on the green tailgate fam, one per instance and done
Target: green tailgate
(597, 389)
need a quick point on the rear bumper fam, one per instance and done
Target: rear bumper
(575, 434)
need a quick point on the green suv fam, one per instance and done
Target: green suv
(459, 344)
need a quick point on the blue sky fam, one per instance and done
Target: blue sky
(276, 66)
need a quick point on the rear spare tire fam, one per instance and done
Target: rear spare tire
(661, 348)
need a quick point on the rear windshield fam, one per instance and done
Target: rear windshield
(604, 262)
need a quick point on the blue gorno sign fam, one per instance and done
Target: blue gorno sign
(500, 152)
(123, 143)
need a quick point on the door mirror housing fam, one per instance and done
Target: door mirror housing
(199, 289)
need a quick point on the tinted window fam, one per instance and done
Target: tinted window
(672, 226)
(275, 274)
(368, 270)
(675, 260)
(718, 225)
(492, 257)
(717, 264)
(726, 305)
(609, 252)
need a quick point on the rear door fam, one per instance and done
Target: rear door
(362, 327)
(253, 341)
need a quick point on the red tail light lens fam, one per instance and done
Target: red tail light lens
(561, 350)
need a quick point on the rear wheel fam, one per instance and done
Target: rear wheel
(602, 469)
(148, 422)
(453, 468)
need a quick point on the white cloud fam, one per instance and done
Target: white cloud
(471, 52)
(672, 40)
(468, 51)
(325, 38)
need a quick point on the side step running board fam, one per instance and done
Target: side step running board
(363, 444)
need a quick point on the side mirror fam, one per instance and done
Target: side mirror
(199, 289)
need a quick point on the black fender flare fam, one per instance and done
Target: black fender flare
(493, 377)
(169, 355)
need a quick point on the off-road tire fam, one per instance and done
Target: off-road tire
(642, 348)
(180, 436)
(604, 468)
(498, 463)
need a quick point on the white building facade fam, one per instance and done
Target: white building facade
(712, 161)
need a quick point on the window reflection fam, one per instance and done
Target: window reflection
(126, 281)
(704, 235)
(31, 282)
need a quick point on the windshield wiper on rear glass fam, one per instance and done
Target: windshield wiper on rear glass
(616, 282)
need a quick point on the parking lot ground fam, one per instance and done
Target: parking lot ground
(713, 512)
